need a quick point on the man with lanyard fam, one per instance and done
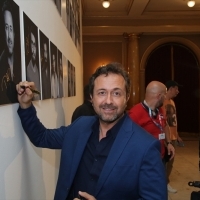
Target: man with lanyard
(149, 115)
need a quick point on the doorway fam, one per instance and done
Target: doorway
(177, 62)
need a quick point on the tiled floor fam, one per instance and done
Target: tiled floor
(186, 168)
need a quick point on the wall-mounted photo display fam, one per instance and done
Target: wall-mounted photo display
(31, 53)
(65, 77)
(77, 36)
(60, 74)
(68, 15)
(45, 66)
(77, 24)
(71, 80)
(10, 51)
(54, 72)
(73, 20)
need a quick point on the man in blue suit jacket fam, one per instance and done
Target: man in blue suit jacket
(104, 157)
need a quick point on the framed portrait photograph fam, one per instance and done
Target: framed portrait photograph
(31, 53)
(54, 72)
(10, 51)
(60, 74)
(71, 80)
(45, 66)
(65, 77)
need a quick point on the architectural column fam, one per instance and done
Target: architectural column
(133, 69)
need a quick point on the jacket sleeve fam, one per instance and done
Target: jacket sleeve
(152, 178)
(38, 134)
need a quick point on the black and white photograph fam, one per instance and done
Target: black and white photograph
(77, 36)
(68, 15)
(77, 25)
(54, 72)
(71, 20)
(45, 66)
(10, 51)
(71, 80)
(31, 53)
(60, 74)
(65, 77)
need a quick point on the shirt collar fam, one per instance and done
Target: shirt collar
(111, 132)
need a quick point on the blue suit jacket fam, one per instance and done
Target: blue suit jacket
(133, 169)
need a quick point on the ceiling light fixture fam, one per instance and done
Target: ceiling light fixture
(191, 3)
(105, 4)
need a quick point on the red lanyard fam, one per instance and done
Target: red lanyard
(159, 125)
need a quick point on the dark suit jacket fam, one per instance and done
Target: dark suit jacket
(133, 169)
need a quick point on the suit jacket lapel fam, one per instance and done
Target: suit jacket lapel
(79, 149)
(121, 140)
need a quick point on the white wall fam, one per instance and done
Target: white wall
(27, 172)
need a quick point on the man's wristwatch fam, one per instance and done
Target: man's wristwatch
(169, 143)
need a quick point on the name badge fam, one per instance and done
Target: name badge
(161, 136)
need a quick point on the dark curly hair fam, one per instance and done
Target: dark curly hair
(113, 68)
(7, 6)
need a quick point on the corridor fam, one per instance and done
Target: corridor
(186, 168)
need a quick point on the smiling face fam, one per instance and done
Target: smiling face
(9, 31)
(109, 97)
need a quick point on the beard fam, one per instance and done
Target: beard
(109, 118)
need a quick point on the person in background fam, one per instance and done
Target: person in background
(150, 116)
(170, 111)
(86, 109)
(106, 156)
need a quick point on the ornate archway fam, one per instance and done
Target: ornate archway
(183, 41)
(157, 63)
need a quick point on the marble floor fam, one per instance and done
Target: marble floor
(186, 168)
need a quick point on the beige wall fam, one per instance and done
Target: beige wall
(28, 172)
(98, 51)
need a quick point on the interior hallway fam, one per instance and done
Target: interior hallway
(186, 168)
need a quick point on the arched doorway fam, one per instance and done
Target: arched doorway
(178, 62)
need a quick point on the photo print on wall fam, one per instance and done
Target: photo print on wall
(10, 51)
(54, 72)
(73, 21)
(31, 53)
(65, 82)
(45, 66)
(69, 11)
(60, 74)
(71, 80)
